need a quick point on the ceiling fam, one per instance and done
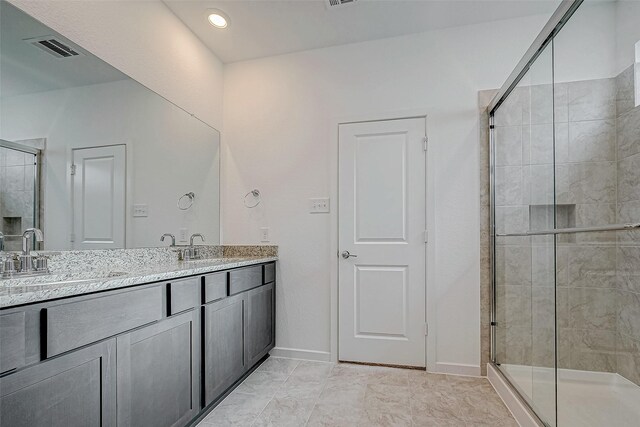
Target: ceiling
(260, 28)
(27, 69)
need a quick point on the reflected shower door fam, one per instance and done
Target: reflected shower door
(18, 195)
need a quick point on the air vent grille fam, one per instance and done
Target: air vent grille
(54, 46)
(334, 4)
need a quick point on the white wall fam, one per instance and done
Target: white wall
(146, 41)
(277, 119)
(627, 32)
(169, 153)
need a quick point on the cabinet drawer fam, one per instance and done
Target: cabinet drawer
(215, 286)
(183, 295)
(243, 279)
(75, 324)
(270, 272)
(12, 341)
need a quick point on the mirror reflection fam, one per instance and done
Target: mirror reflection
(90, 156)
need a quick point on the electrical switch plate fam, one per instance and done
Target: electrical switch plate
(319, 205)
(264, 234)
(140, 210)
(182, 236)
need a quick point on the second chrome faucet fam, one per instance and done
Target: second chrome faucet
(191, 252)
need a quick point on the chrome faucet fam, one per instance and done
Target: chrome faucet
(26, 237)
(173, 238)
(195, 235)
(192, 252)
(28, 265)
(26, 260)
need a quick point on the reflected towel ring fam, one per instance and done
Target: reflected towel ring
(256, 195)
(183, 206)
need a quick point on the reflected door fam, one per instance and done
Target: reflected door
(98, 176)
(382, 227)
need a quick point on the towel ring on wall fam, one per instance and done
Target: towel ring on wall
(256, 196)
(184, 204)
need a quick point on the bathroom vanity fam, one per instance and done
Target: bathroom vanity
(150, 354)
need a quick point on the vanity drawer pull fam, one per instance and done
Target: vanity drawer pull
(12, 341)
(243, 279)
(183, 295)
(75, 324)
(215, 286)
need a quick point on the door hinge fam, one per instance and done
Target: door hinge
(426, 236)
(425, 142)
(426, 329)
(73, 169)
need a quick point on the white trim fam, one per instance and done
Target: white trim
(518, 409)
(430, 292)
(297, 353)
(457, 369)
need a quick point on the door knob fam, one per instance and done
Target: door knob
(347, 255)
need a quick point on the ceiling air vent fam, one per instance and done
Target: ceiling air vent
(55, 47)
(335, 4)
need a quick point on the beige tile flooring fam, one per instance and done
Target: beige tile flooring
(288, 392)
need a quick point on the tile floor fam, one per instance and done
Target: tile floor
(287, 392)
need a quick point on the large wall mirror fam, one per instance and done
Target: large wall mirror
(90, 156)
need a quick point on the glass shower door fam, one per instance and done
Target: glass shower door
(524, 196)
(18, 195)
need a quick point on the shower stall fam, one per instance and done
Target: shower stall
(565, 219)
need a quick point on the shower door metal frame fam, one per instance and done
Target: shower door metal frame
(37, 194)
(559, 18)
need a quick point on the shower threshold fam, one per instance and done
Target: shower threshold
(585, 398)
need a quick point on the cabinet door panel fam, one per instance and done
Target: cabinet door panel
(77, 389)
(224, 359)
(260, 327)
(12, 341)
(158, 373)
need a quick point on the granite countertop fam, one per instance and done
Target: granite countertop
(21, 291)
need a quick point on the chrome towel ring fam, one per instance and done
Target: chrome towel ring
(256, 199)
(183, 203)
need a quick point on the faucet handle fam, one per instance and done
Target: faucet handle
(41, 263)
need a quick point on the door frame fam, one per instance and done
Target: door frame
(430, 296)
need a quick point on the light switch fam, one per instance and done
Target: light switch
(140, 210)
(320, 205)
(264, 234)
(182, 235)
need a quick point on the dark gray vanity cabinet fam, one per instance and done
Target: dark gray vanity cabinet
(75, 389)
(157, 354)
(158, 373)
(224, 324)
(260, 323)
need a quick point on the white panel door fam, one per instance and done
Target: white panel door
(382, 221)
(99, 184)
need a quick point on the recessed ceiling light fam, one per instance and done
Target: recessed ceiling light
(217, 18)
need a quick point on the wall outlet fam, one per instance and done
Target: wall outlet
(264, 234)
(182, 235)
(140, 210)
(319, 205)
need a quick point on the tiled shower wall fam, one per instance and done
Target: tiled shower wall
(597, 181)
(17, 172)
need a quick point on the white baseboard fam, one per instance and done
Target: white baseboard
(296, 353)
(517, 408)
(458, 369)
